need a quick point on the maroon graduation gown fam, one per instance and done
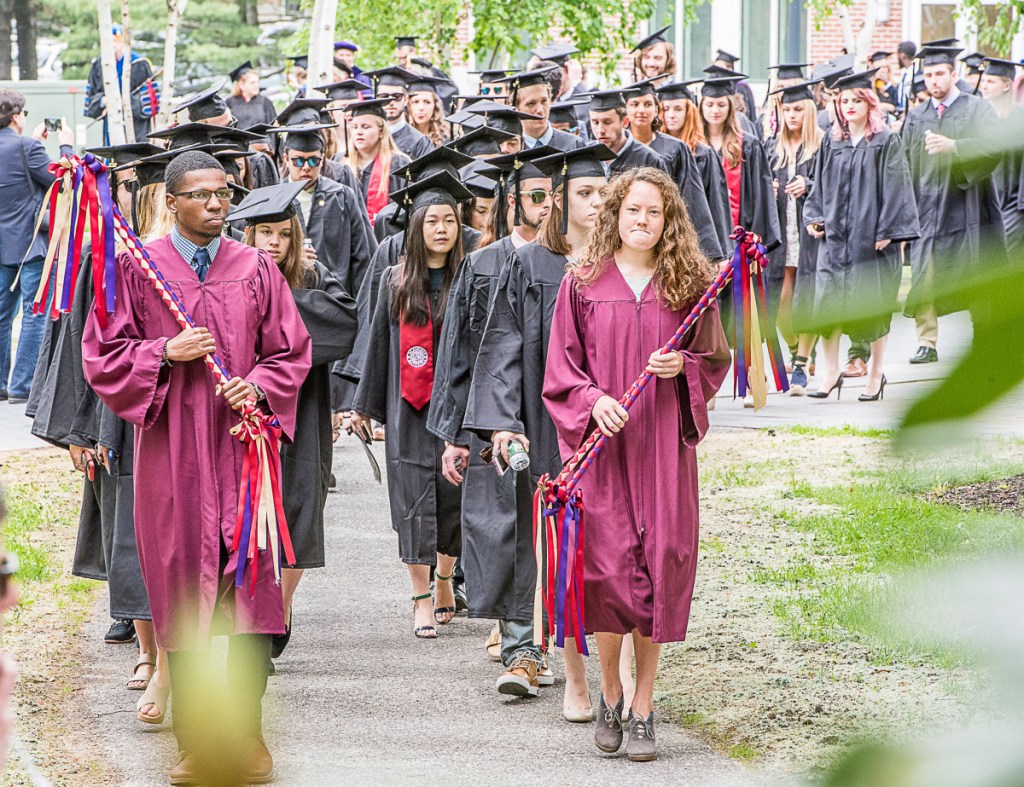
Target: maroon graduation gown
(187, 464)
(640, 544)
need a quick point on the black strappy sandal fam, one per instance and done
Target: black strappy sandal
(423, 632)
(443, 610)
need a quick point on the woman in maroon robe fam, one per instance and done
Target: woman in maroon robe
(640, 273)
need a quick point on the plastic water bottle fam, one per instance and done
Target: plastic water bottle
(518, 459)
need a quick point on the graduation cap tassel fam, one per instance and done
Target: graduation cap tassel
(559, 513)
(502, 211)
(135, 204)
(518, 217)
(565, 197)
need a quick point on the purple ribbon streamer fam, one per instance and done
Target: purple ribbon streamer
(739, 342)
(66, 295)
(243, 545)
(110, 262)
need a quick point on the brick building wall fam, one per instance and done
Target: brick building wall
(828, 41)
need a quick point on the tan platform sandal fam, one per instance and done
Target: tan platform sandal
(154, 695)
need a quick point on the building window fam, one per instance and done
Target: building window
(757, 39)
(697, 42)
(792, 31)
(938, 21)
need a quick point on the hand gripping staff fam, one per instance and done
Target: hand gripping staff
(80, 198)
(559, 512)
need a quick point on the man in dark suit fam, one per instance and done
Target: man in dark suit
(24, 178)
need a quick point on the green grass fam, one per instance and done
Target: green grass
(25, 515)
(846, 430)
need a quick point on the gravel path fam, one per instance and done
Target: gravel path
(357, 698)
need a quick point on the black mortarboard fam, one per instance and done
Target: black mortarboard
(483, 141)
(125, 154)
(229, 159)
(492, 74)
(717, 87)
(997, 67)
(468, 101)
(527, 78)
(605, 100)
(973, 62)
(442, 188)
(933, 55)
(673, 91)
(479, 185)
(942, 42)
(789, 70)
(406, 41)
(421, 83)
(371, 106)
(879, 55)
(714, 72)
(555, 53)
(302, 61)
(793, 93)
(150, 170)
(511, 170)
(305, 137)
(645, 87)
(441, 159)
(204, 134)
(833, 70)
(237, 73)
(301, 111)
(863, 79)
(488, 109)
(566, 165)
(465, 119)
(204, 105)
(657, 37)
(346, 90)
(268, 204)
(565, 111)
(731, 59)
(918, 85)
(392, 75)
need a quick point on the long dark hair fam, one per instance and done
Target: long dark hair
(411, 301)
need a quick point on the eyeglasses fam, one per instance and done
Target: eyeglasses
(309, 161)
(204, 195)
(538, 196)
(8, 568)
(496, 90)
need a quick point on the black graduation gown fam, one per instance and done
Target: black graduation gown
(712, 177)
(750, 109)
(411, 142)
(68, 412)
(683, 169)
(251, 113)
(262, 171)
(329, 314)
(862, 195)
(395, 183)
(505, 394)
(339, 172)
(950, 189)
(803, 285)
(1008, 181)
(563, 140)
(489, 524)
(142, 70)
(425, 508)
(582, 110)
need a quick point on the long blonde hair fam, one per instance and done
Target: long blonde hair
(385, 152)
(297, 272)
(161, 220)
(682, 272)
(732, 134)
(806, 144)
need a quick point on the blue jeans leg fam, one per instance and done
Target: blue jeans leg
(33, 326)
(517, 640)
(8, 310)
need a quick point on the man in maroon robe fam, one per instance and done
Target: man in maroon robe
(187, 464)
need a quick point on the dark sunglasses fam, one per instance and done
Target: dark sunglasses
(496, 90)
(309, 161)
(8, 569)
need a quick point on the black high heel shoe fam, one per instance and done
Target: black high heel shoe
(874, 397)
(838, 388)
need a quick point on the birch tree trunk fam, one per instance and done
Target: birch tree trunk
(111, 90)
(867, 30)
(321, 45)
(126, 74)
(175, 8)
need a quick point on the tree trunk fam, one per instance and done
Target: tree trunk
(126, 74)
(849, 40)
(321, 45)
(248, 10)
(6, 49)
(175, 8)
(867, 30)
(25, 16)
(111, 91)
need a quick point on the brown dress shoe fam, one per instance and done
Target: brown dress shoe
(520, 679)
(184, 773)
(260, 766)
(855, 368)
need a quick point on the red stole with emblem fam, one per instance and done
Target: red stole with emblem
(376, 198)
(416, 365)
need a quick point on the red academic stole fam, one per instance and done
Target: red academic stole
(416, 372)
(375, 198)
(734, 181)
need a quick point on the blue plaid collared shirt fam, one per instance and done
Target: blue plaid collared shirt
(187, 249)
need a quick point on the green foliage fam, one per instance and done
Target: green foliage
(503, 31)
(211, 37)
(995, 33)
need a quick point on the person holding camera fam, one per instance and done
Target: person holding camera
(23, 181)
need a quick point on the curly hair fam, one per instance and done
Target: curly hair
(876, 119)
(682, 272)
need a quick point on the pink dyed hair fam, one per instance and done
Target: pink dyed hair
(876, 122)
